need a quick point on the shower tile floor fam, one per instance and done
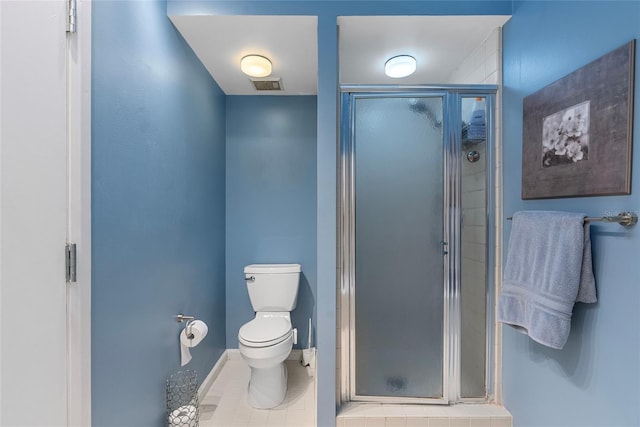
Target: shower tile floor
(225, 404)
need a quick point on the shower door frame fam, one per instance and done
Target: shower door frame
(451, 96)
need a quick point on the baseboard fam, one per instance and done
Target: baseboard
(296, 354)
(234, 354)
(215, 371)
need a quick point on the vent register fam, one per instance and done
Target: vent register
(267, 84)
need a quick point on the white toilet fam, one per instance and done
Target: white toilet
(266, 341)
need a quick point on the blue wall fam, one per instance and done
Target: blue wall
(595, 379)
(271, 199)
(158, 210)
(327, 125)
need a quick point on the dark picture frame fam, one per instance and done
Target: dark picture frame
(577, 132)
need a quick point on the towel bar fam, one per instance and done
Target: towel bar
(625, 219)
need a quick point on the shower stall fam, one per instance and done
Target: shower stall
(415, 294)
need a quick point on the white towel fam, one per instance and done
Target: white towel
(548, 269)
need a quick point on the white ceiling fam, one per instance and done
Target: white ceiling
(439, 44)
(220, 42)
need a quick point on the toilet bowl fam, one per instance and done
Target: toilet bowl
(265, 347)
(266, 341)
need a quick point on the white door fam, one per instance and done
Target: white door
(33, 213)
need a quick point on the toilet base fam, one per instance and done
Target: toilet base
(267, 386)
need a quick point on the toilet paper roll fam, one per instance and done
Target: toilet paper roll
(184, 416)
(199, 330)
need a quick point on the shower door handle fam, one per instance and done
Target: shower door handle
(445, 247)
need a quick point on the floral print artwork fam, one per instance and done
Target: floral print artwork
(565, 136)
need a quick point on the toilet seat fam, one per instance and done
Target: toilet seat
(265, 331)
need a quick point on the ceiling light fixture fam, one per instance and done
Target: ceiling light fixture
(255, 66)
(400, 66)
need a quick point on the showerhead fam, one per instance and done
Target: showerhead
(420, 107)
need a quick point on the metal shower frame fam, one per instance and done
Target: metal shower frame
(451, 96)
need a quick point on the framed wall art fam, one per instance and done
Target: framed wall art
(577, 132)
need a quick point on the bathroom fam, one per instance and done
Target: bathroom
(177, 172)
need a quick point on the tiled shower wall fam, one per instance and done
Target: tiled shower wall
(482, 66)
(473, 267)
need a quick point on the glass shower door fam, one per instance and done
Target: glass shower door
(398, 247)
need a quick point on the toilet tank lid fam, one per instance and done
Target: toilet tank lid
(273, 268)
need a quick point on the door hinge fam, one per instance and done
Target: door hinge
(70, 262)
(71, 16)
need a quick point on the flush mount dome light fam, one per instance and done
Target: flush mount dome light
(255, 66)
(400, 66)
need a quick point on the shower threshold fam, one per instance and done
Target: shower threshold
(355, 414)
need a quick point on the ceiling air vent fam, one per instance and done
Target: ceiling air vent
(267, 83)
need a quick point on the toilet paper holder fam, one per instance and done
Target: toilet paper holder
(189, 319)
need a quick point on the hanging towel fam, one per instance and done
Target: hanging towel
(548, 269)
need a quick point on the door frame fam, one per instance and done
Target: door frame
(348, 237)
(451, 95)
(79, 217)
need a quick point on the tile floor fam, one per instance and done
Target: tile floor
(225, 404)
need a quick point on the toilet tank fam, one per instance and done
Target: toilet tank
(273, 287)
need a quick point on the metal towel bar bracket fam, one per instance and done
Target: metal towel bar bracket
(625, 219)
